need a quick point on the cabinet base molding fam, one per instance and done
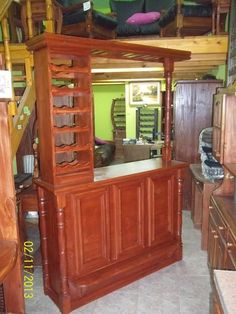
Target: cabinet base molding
(89, 288)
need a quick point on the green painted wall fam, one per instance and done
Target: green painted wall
(103, 95)
(220, 73)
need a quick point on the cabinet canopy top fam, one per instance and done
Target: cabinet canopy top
(107, 48)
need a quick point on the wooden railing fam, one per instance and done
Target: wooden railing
(4, 5)
(20, 107)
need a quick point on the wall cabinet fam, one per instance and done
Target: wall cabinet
(192, 112)
(222, 233)
(224, 128)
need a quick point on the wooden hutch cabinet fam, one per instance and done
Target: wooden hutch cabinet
(224, 128)
(192, 113)
(222, 217)
(106, 227)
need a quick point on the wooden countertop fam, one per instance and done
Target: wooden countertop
(225, 282)
(136, 167)
(8, 250)
(110, 173)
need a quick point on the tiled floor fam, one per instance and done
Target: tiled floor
(182, 288)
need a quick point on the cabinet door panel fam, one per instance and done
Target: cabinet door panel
(128, 219)
(162, 209)
(89, 246)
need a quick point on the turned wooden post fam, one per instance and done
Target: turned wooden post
(29, 19)
(49, 17)
(12, 108)
(168, 70)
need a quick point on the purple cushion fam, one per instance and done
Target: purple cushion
(143, 18)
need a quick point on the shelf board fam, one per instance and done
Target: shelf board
(72, 148)
(72, 129)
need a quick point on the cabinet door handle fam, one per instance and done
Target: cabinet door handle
(229, 244)
(221, 228)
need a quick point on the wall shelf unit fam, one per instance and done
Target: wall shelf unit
(146, 122)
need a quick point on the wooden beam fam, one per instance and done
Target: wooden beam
(207, 53)
(195, 44)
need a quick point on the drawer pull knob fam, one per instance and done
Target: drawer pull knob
(221, 228)
(229, 244)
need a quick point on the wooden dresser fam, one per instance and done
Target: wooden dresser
(222, 233)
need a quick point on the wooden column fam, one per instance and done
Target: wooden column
(13, 287)
(29, 19)
(168, 70)
(49, 16)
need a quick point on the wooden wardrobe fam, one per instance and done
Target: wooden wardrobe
(193, 101)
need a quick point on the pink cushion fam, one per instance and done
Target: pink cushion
(143, 18)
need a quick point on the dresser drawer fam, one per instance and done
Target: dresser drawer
(231, 251)
(219, 222)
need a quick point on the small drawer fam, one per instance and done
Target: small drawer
(231, 248)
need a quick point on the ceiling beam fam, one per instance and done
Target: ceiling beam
(207, 53)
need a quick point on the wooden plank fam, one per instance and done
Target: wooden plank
(195, 44)
(28, 99)
(105, 77)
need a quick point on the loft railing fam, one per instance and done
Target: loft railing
(4, 5)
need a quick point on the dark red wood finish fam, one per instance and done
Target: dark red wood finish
(193, 101)
(10, 261)
(106, 227)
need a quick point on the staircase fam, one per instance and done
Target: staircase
(19, 61)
